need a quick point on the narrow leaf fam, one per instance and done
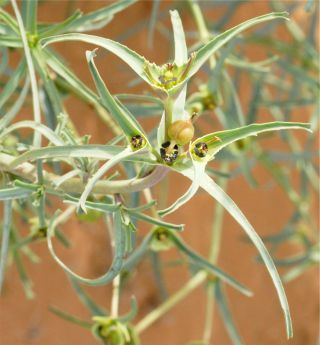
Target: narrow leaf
(12, 84)
(30, 64)
(218, 140)
(155, 221)
(98, 19)
(130, 57)
(152, 21)
(13, 111)
(218, 194)
(126, 121)
(86, 299)
(88, 151)
(29, 14)
(10, 42)
(45, 131)
(6, 226)
(204, 53)
(203, 263)
(138, 253)
(180, 46)
(65, 316)
(178, 111)
(101, 171)
(14, 193)
(117, 261)
(132, 313)
(26, 282)
(55, 29)
(226, 314)
(199, 169)
(9, 20)
(99, 206)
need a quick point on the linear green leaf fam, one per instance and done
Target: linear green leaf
(64, 72)
(17, 105)
(117, 261)
(31, 70)
(138, 253)
(65, 316)
(25, 280)
(199, 170)
(130, 57)
(99, 206)
(12, 85)
(5, 30)
(9, 20)
(14, 193)
(203, 263)
(60, 27)
(132, 312)
(180, 46)
(218, 194)
(226, 314)
(29, 14)
(86, 299)
(127, 152)
(6, 227)
(218, 140)
(89, 151)
(98, 19)
(126, 121)
(155, 221)
(44, 130)
(204, 53)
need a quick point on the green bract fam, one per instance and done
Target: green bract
(113, 332)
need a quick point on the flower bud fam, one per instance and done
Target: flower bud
(181, 131)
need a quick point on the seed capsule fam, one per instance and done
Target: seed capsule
(137, 141)
(201, 149)
(181, 131)
(168, 153)
(42, 232)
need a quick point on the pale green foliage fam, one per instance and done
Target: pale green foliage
(91, 192)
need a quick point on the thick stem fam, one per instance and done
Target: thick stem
(76, 185)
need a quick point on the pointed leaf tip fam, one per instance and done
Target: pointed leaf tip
(180, 46)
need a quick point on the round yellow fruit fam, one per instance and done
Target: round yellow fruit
(181, 131)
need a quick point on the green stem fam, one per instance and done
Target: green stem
(209, 316)
(213, 258)
(201, 26)
(32, 74)
(155, 257)
(149, 319)
(41, 206)
(115, 297)
(168, 108)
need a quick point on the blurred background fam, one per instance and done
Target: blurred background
(145, 27)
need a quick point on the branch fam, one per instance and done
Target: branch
(76, 185)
